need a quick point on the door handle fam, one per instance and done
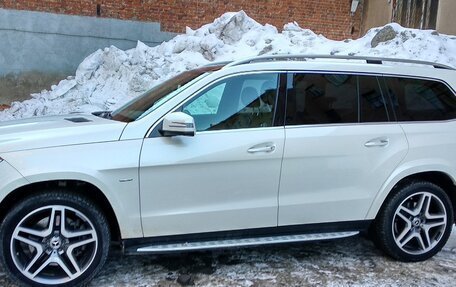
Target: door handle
(262, 148)
(377, 142)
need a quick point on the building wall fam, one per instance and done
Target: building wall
(331, 18)
(379, 12)
(446, 24)
(376, 13)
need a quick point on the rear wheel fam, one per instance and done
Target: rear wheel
(54, 238)
(415, 223)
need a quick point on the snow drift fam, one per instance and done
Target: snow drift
(109, 77)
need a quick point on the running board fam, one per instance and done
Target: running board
(242, 242)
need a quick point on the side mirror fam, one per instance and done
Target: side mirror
(178, 124)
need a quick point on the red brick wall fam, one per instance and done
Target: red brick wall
(329, 17)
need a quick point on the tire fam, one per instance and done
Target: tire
(415, 222)
(36, 249)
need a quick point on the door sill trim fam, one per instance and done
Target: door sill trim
(242, 242)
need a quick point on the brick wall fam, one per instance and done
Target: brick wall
(329, 17)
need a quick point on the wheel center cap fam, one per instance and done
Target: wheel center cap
(55, 242)
(416, 221)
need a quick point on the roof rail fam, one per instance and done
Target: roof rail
(369, 60)
(221, 63)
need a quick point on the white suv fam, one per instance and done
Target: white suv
(273, 149)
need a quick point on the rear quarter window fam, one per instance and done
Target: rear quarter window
(421, 100)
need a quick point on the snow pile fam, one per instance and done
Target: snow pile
(109, 77)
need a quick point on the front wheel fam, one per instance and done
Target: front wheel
(415, 222)
(54, 238)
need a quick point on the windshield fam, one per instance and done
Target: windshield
(158, 95)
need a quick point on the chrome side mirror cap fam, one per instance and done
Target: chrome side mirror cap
(178, 124)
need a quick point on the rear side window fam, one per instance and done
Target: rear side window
(334, 98)
(321, 99)
(421, 100)
(372, 102)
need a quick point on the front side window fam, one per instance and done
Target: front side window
(244, 101)
(158, 95)
(421, 100)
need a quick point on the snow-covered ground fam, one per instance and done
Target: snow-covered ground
(109, 77)
(348, 262)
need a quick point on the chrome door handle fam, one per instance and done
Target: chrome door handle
(377, 143)
(261, 148)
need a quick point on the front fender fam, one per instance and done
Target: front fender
(10, 179)
(112, 167)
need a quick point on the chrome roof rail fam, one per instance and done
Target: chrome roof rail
(220, 63)
(368, 59)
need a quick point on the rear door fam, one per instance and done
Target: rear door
(341, 145)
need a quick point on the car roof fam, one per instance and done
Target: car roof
(342, 64)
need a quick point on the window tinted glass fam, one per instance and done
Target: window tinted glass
(421, 100)
(321, 98)
(246, 101)
(371, 101)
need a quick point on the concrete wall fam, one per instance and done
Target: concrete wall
(376, 13)
(46, 42)
(446, 23)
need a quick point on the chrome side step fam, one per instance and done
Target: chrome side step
(216, 244)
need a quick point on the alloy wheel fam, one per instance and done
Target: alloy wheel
(54, 244)
(419, 223)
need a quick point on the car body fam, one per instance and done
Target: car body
(272, 149)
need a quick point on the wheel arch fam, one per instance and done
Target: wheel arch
(87, 189)
(439, 178)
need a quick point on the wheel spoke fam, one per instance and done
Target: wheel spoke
(65, 268)
(28, 241)
(420, 204)
(40, 233)
(421, 241)
(52, 221)
(83, 233)
(434, 223)
(70, 256)
(45, 263)
(405, 218)
(39, 253)
(59, 220)
(75, 245)
(404, 211)
(430, 216)
(406, 229)
(403, 234)
(33, 232)
(427, 237)
(73, 234)
(72, 247)
(426, 204)
(409, 237)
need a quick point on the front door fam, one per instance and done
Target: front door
(226, 177)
